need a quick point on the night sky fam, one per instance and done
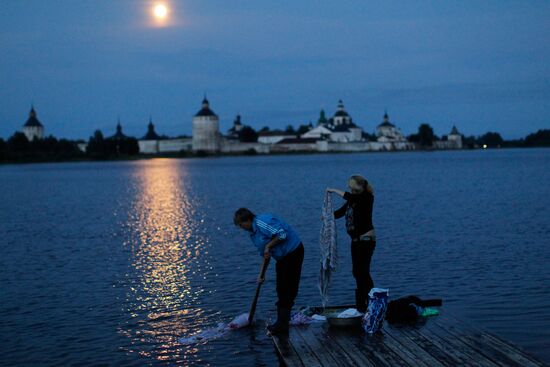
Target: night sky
(482, 65)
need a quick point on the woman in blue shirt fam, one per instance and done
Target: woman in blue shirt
(274, 238)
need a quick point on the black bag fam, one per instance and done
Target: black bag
(404, 311)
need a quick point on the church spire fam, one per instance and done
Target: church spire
(205, 110)
(119, 134)
(322, 118)
(32, 120)
(151, 133)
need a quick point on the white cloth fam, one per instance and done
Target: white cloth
(319, 317)
(350, 312)
(378, 290)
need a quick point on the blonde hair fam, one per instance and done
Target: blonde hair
(363, 183)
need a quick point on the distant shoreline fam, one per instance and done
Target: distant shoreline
(188, 155)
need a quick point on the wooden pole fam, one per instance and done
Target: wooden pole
(265, 263)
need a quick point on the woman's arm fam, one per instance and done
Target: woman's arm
(353, 198)
(336, 191)
(274, 242)
(339, 213)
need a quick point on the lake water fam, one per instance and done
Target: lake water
(110, 263)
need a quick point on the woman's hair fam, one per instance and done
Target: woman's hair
(242, 215)
(363, 183)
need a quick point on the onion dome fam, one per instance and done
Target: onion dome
(386, 121)
(151, 134)
(205, 110)
(340, 112)
(118, 134)
(237, 121)
(32, 120)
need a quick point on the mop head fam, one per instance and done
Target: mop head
(239, 322)
(212, 333)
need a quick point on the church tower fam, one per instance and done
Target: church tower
(151, 133)
(341, 117)
(455, 137)
(206, 129)
(33, 129)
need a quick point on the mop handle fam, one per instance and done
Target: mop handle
(265, 263)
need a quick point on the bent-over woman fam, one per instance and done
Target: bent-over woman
(274, 238)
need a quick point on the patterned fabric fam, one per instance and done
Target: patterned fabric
(299, 318)
(328, 243)
(378, 304)
(305, 317)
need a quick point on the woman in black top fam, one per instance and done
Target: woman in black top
(358, 212)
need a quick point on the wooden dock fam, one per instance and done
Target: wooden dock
(439, 341)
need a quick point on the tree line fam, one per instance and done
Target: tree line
(18, 148)
(426, 138)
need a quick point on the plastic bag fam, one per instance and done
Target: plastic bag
(376, 312)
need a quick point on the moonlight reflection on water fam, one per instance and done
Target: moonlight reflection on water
(165, 253)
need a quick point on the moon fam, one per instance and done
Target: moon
(160, 11)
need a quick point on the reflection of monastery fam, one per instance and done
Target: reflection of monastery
(338, 133)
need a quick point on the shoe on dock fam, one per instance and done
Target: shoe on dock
(281, 325)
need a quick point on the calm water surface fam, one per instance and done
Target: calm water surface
(110, 263)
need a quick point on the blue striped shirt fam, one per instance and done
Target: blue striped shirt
(265, 227)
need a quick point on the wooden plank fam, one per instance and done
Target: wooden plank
(361, 359)
(463, 353)
(440, 341)
(502, 353)
(441, 355)
(350, 359)
(478, 346)
(286, 351)
(407, 349)
(372, 347)
(307, 355)
(324, 350)
(512, 352)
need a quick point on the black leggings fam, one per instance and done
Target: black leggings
(361, 254)
(289, 269)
